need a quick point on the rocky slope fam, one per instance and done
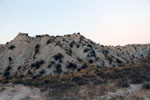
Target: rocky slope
(45, 55)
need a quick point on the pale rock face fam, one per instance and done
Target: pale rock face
(44, 55)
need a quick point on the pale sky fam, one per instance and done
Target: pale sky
(108, 22)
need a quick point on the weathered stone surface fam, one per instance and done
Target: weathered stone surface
(32, 55)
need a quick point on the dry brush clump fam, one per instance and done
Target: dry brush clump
(146, 86)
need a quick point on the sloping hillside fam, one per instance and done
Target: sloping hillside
(43, 55)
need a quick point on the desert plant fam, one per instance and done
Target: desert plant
(9, 58)
(84, 66)
(72, 44)
(37, 48)
(12, 47)
(91, 61)
(38, 36)
(58, 69)
(58, 56)
(79, 59)
(37, 64)
(86, 50)
(42, 72)
(119, 61)
(48, 41)
(78, 33)
(146, 86)
(72, 66)
(19, 67)
(29, 72)
(91, 54)
(6, 74)
(77, 45)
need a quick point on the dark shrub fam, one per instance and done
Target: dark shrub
(8, 68)
(86, 50)
(60, 61)
(77, 45)
(46, 81)
(36, 76)
(12, 47)
(48, 42)
(21, 76)
(38, 36)
(79, 59)
(52, 62)
(96, 59)
(102, 46)
(41, 62)
(37, 64)
(42, 72)
(58, 36)
(110, 60)
(72, 66)
(29, 72)
(6, 74)
(59, 44)
(19, 68)
(92, 54)
(46, 35)
(146, 86)
(58, 69)
(37, 48)
(9, 58)
(91, 61)
(72, 44)
(49, 66)
(105, 52)
(70, 51)
(89, 45)
(58, 56)
(81, 38)
(79, 69)
(78, 33)
(119, 61)
(84, 66)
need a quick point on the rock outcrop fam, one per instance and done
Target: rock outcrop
(45, 55)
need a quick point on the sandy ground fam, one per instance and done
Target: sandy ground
(20, 92)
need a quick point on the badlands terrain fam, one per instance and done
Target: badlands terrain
(72, 67)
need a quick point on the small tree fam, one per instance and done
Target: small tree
(37, 48)
(72, 66)
(58, 56)
(58, 69)
(12, 47)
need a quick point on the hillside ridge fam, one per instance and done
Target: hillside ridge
(48, 55)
